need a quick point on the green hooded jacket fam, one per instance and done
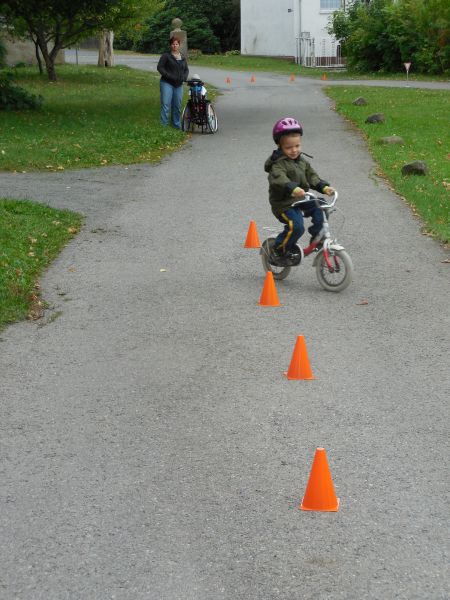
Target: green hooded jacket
(285, 174)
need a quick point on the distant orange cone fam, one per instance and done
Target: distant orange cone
(320, 494)
(228, 80)
(269, 296)
(252, 240)
(324, 77)
(252, 79)
(292, 78)
(300, 367)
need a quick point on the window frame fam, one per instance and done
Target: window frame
(329, 10)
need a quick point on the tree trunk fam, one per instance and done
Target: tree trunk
(38, 57)
(49, 57)
(105, 49)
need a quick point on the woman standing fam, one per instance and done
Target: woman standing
(174, 70)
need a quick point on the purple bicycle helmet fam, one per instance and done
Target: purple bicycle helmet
(284, 126)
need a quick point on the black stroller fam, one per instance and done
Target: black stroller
(199, 111)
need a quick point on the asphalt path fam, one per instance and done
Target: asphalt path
(151, 447)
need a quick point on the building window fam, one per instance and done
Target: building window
(330, 4)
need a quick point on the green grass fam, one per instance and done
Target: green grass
(279, 65)
(90, 117)
(31, 236)
(420, 117)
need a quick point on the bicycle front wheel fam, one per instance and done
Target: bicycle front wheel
(278, 272)
(186, 118)
(211, 118)
(339, 276)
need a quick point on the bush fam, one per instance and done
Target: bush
(194, 53)
(2, 53)
(13, 97)
(128, 38)
(383, 34)
(156, 32)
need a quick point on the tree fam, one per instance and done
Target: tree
(383, 34)
(57, 24)
(212, 26)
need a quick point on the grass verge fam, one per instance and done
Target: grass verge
(91, 117)
(279, 65)
(420, 117)
(31, 236)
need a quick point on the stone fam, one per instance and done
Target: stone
(376, 118)
(180, 34)
(418, 167)
(360, 101)
(391, 139)
(176, 24)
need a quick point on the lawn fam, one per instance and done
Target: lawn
(31, 236)
(90, 117)
(420, 117)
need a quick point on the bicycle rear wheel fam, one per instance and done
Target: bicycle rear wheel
(339, 276)
(278, 272)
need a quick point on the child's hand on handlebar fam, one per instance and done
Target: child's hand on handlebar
(298, 192)
(329, 191)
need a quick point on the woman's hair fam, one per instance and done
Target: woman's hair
(174, 39)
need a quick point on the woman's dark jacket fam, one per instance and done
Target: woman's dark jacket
(173, 71)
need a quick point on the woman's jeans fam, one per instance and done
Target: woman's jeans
(171, 98)
(292, 219)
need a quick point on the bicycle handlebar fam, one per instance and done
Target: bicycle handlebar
(310, 196)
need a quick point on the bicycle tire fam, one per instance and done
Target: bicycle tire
(277, 272)
(338, 279)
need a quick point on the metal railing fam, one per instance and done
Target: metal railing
(325, 53)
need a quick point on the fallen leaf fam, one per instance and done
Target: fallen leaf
(362, 302)
(71, 269)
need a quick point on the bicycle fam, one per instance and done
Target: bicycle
(198, 110)
(334, 269)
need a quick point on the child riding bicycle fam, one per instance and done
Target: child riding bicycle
(290, 176)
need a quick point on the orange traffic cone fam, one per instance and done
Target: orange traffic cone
(252, 79)
(252, 240)
(228, 80)
(320, 494)
(269, 296)
(292, 78)
(324, 77)
(300, 367)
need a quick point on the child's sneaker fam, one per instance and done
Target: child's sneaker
(279, 258)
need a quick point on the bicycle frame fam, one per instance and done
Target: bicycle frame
(323, 237)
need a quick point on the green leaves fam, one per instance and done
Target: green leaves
(383, 34)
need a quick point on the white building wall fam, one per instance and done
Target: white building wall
(314, 20)
(271, 27)
(267, 28)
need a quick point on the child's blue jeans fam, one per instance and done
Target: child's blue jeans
(294, 228)
(171, 98)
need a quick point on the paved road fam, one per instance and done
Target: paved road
(151, 448)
